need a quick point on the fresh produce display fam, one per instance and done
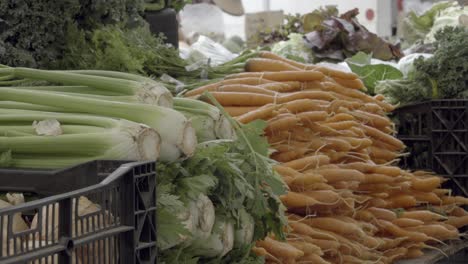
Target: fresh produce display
(262, 157)
(335, 145)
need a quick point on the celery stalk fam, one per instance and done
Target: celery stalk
(107, 138)
(149, 91)
(69, 89)
(177, 134)
(191, 108)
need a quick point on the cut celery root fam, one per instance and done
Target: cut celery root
(207, 119)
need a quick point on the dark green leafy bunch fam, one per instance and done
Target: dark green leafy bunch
(154, 5)
(33, 33)
(442, 76)
(447, 71)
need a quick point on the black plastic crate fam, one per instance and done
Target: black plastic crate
(121, 229)
(436, 133)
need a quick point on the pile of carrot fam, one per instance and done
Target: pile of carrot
(346, 202)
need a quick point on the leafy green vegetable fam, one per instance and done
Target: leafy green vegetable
(239, 179)
(155, 5)
(446, 72)
(442, 76)
(371, 73)
(403, 91)
(33, 33)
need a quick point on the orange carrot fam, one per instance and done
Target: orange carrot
(325, 196)
(336, 226)
(286, 171)
(326, 244)
(375, 178)
(389, 243)
(319, 186)
(271, 55)
(457, 200)
(399, 232)
(345, 185)
(304, 105)
(428, 197)
(457, 221)
(380, 144)
(377, 134)
(395, 254)
(286, 156)
(259, 251)
(239, 110)
(263, 112)
(302, 76)
(356, 94)
(383, 214)
(348, 83)
(308, 162)
(382, 154)
(244, 88)
(458, 211)
(372, 108)
(294, 199)
(281, 122)
(341, 125)
(401, 201)
(306, 247)
(436, 231)
(423, 215)
(407, 222)
(335, 73)
(336, 175)
(268, 65)
(304, 229)
(356, 143)
(307, 179)
(313, 258)
(242, 99)
(315, 95)
(414, 253)
(441, 192)
(279, 87)
(214, 86)
(387, 170)
(312, 116)
(279, 249)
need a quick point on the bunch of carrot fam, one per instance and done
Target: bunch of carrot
(346, 202)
